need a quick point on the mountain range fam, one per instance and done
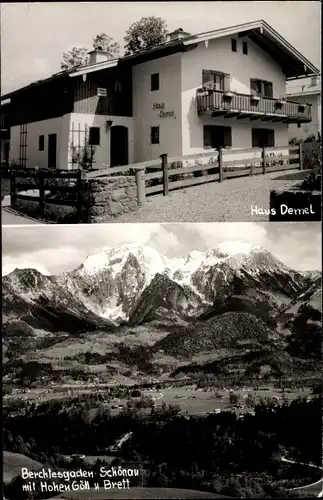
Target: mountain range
(236, 299)
(137, 284)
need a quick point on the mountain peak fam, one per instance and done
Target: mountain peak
(230, 248)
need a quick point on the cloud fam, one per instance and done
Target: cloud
(62, 247)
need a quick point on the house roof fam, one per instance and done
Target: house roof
(292, 61)
(304, 90)
(294, 64)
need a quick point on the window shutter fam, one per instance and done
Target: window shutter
(268, 89)
(207, 139)
(271, 138)
(227, 83)
(206, 77)
(254, 87)
(227, 137)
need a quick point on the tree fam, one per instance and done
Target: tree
(77, 56)
(233, 398)
(146, 33)
(106, 43)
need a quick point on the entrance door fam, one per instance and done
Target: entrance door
(118, 146)
(52, 151)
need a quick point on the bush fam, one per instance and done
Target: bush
(312, 182)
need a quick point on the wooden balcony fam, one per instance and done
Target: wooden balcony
(243, 106)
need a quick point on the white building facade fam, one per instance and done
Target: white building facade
(225, 88)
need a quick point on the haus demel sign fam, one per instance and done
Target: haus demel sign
(163, 114)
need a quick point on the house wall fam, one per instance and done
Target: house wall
(81, 121)
(218, 56)
(59, 126)
(145, 116)
(307, 129)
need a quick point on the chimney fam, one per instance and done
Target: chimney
(97, 56)
(178, 34)
(313, 81)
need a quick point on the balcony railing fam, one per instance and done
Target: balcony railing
(233, 105)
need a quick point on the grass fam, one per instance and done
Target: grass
(13, 463)
(137, 493)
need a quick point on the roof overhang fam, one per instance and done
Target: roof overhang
(91, 68)
(301, 94)
(293, 63)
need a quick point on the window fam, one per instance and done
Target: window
(218, 81)
(261, 88)
(233, 45)
(154, 135)
(217, 137)
(244, 48)
(41, 143)
(262, 137)
(154, 82)
(94, 136)
(298, 125)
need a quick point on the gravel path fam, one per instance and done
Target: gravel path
(11, 218)
(229, 201)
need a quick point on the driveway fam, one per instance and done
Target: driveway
(230, 201)
(10, 217)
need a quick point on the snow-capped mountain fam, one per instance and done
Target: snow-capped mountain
(135, 283)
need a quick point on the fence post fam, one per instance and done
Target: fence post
(264, 165)
(79, 201)
(141, 188)
(13, 198)
(220, 160)
(165, 172)
(41, 178)
(300, 152)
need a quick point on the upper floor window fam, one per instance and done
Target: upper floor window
(261, 88)
(154, 82)
(217, 80)
(262, 137)
(245, 48)
(41, 143)
(233, 45)
(94, 136)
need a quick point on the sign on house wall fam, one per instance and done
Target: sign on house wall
(163, 114)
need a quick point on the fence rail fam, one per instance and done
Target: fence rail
(215, 166)
(44, 181)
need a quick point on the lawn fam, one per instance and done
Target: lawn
(137, 493)
(13, 463)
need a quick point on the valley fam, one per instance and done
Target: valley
(138, 342)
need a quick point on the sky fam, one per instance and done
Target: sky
(54, 249)
(35, 35)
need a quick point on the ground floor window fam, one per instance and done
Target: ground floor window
(154, 135)
(216, 136)
(94, 136)
(262, 137)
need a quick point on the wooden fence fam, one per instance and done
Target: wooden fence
(201, 168)
(215, 166)
(66, 193)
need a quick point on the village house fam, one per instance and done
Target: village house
(222, 88)
(308, 92)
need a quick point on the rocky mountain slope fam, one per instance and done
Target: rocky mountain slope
(136, 284)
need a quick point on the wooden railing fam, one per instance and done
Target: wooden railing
(216, 100)
(58, 188)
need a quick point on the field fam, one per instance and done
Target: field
(136, 493)
(13, 462)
